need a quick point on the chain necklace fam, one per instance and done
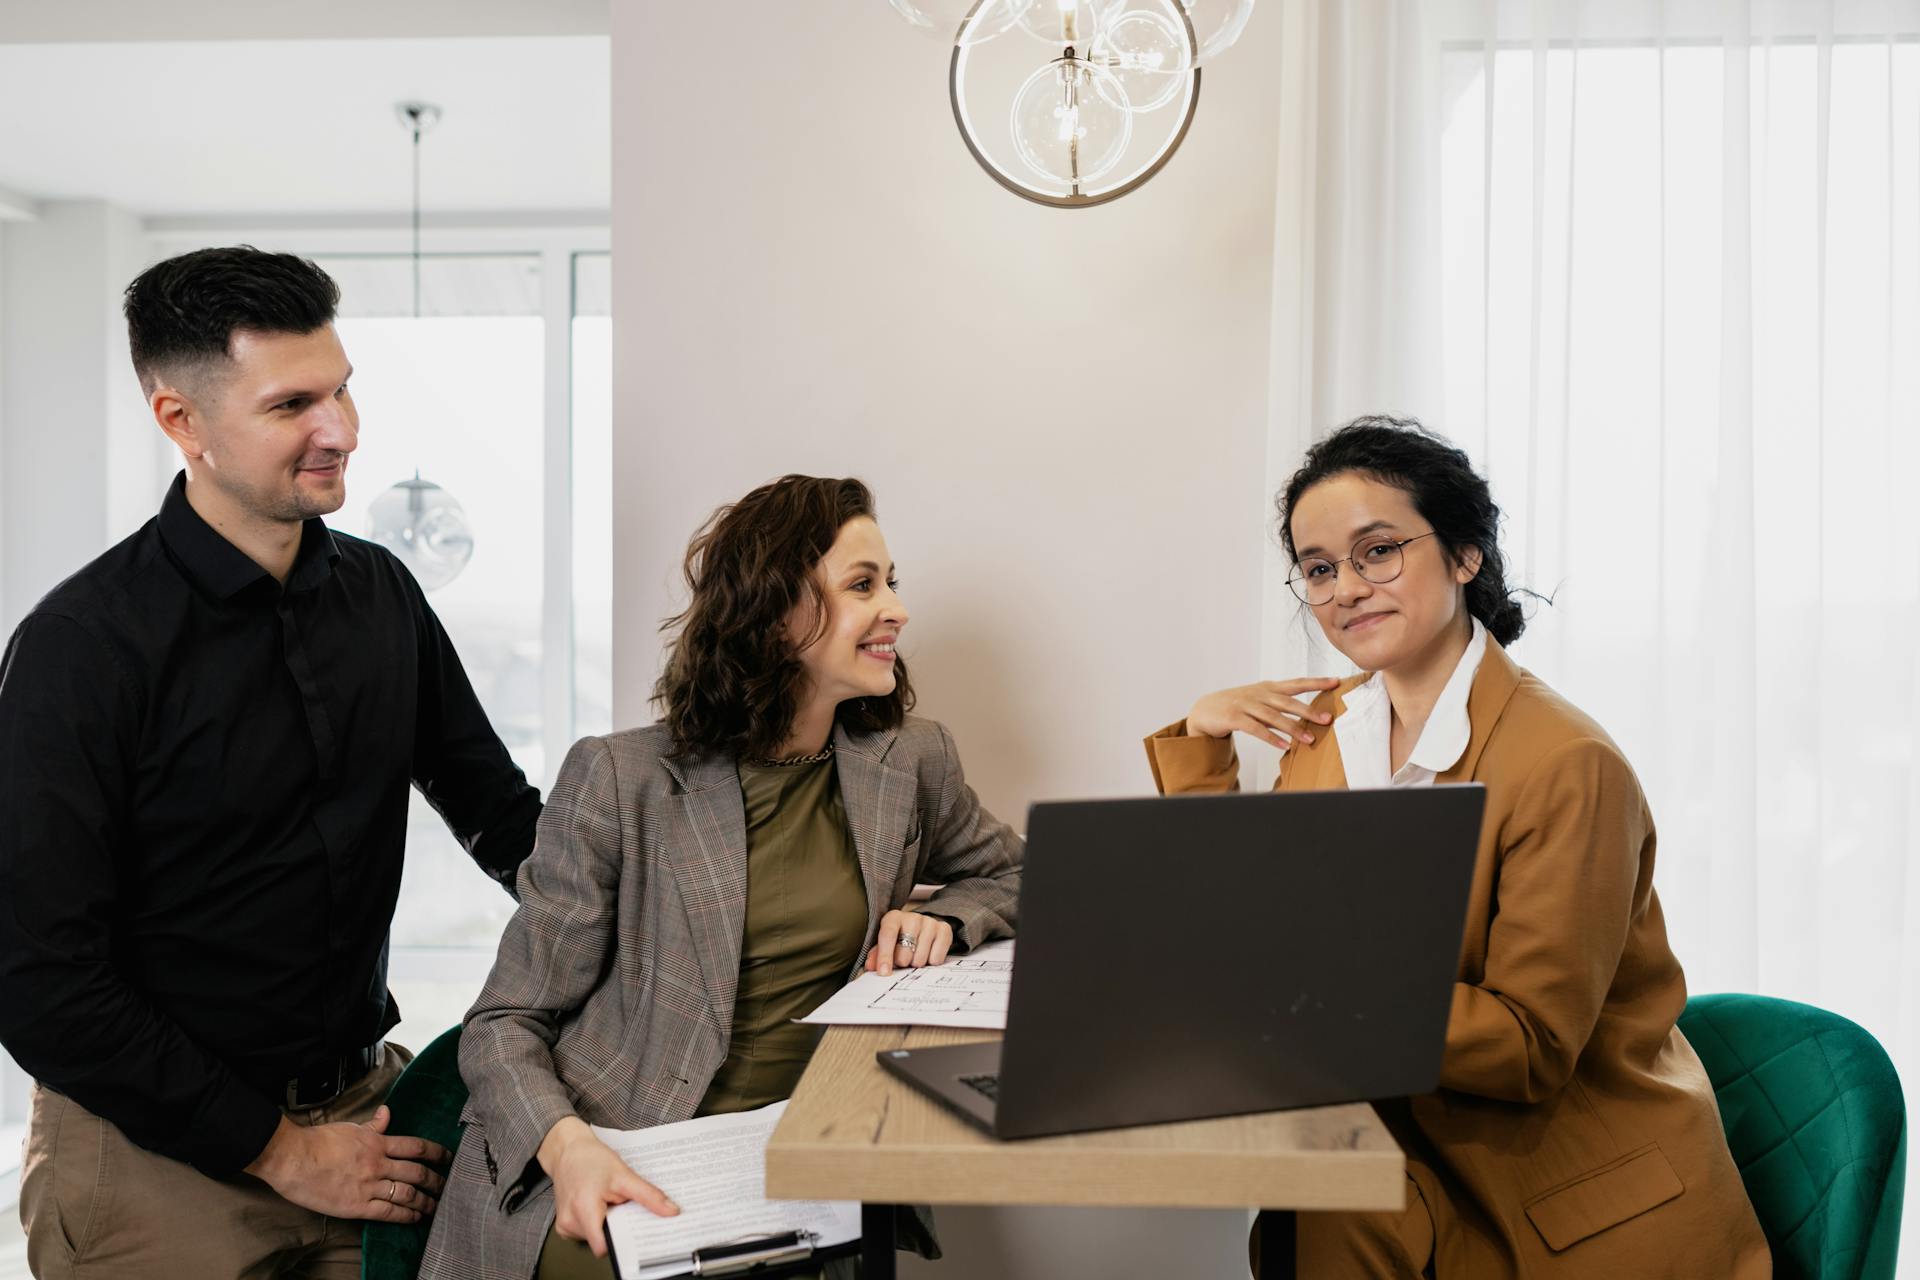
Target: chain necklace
(790, 762)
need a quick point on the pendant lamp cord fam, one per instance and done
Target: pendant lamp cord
(416, 214)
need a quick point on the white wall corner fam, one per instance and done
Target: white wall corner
(17, 206)
(136, 451)
(62, 347)
(80, 21)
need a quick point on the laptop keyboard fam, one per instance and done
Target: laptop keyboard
(988, 1084)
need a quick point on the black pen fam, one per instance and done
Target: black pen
(742, 1255)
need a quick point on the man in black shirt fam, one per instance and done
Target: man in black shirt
(206, 741)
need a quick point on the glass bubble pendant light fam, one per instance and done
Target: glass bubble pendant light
(1087, 108)
(425, 526)
(1092, 102)
(416, 519)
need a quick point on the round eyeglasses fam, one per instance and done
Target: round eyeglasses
(1376, 558)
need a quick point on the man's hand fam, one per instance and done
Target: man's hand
(588, 1177)
(353, 1171)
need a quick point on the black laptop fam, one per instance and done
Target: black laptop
(1196, 956)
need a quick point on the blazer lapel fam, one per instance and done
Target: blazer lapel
(1493, 686)
(879, 801)
(709, 859)
(1321, 767)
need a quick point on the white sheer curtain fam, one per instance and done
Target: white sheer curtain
(1657, 267)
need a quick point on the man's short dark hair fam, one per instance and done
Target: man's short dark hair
(183, 312)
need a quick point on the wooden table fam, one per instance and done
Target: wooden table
(852, 1132)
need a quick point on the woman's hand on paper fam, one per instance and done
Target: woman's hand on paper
(909, 940)
(1266, 709)
(588, 1178)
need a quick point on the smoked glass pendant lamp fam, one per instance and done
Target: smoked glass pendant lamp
(416, 519)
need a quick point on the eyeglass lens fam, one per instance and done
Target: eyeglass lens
(1375, 559)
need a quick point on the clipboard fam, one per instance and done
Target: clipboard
(714, 1166)
(789, 1253)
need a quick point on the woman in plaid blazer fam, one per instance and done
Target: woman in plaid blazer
(640, 982)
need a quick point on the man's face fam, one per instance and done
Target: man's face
(277, 423)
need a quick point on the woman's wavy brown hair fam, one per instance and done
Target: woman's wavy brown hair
(733, 680)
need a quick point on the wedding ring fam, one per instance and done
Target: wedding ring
(393, 1189)
(906, 940)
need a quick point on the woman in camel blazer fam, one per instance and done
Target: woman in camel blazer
(700, 883)
(1574, 1133)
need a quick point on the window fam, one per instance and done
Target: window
(1680, 302)
(592, 494)
(1584, 305)
(457, 399)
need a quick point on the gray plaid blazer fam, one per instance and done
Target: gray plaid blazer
(612, 996)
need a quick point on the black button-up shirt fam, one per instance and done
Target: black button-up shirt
(203, 812)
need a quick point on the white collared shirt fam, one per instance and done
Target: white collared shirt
(1365, 728)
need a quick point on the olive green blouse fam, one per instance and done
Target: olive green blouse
(806, 921)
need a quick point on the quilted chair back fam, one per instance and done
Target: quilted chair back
(1815, 1120)
(426, 1102)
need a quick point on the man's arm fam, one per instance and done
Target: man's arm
(459, 762)
(68, 721)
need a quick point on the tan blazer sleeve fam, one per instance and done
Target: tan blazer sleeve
(975, 856)
(1570, 887)
(1183, 764)
(551, 959)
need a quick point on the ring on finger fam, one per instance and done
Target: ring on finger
(907, 940)
(393, 1189)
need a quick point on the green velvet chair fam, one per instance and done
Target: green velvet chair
(1815, 1119)
(426, 1101)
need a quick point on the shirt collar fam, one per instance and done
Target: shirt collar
(224, 570)
(1444, 738)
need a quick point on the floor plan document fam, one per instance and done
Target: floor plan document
(966, 991)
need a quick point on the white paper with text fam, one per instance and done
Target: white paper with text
(715, 1169)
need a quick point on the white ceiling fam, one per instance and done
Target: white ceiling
(62, 21)
(289, 127)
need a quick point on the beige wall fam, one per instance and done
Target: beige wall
(1063, 413)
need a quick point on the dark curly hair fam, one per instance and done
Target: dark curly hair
(1447, 492)
(733, 680)
(182, 313)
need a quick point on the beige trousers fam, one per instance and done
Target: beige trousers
(95, 1205)
(1367, 1246)
(1395, 1245)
